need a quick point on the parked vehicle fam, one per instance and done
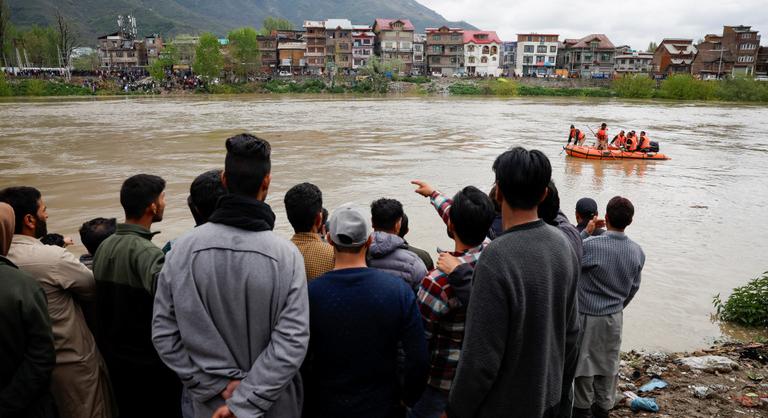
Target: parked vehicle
(285, 74)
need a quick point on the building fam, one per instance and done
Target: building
(185, 47)
(315, 40)
(733, 53)
(536, 54)
(673, 56)
(761, 67)
(508, 56)
(154, 46)
(338, 44)
(712, 61)
(633, 62)
(363, 40)
(394, 42)
(482, 53)
(268, 53)
(120, 51)
(419, 54)
(445, 51)
(291, 56)
(592, 56)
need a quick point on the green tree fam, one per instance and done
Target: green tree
(40, 45)
(5, 88)
(88, 62)
(208, 59)
(244, 51)
(638, 86)
(5, 21)
(274, 23)
(652, 47)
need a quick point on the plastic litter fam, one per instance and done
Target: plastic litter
(710, 364)
(644, 404)
(701, 392)
(653, 385)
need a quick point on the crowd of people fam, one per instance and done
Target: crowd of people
(522, 317)
(628, 141)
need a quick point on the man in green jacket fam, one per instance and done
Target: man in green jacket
(126, 266)
(28, 356)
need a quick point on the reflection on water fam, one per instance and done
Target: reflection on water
(700, 217)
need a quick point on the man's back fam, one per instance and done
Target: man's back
(358, 315)
(230, 293)
(389, 253)
(519, 349)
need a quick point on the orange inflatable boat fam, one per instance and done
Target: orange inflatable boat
(592, 153)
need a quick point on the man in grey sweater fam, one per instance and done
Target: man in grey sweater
(231, 314)
(520, 343)
(610, 277)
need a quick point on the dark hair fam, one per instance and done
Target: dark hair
(385, 213)
(550, 206)
(522, 176)
(302, 204)
(404, 226)
(471, 215)
(204, 192)
(619, 212)
(138, 192)
(95, 231)
(53, 239)
(325, 216)
(24, 201)
(247, 163)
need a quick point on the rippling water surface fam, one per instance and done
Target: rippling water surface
(700, 217)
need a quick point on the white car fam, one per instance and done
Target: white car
(284, 74)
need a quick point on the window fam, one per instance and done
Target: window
(541, 49)
(745, 58)
(405, 45)
(632, 62)
(453, 60)
(494, 50)
(746, 36)
(594, 44)
(530, 38)
(453, 49)
(551, 60)
(471, 49)
(486, 50)
(542, 39)
(528, 60)
(366, 41)
(484, 60)
(494, 59)
(552, 49)
(435, 37)
(606, 57)
(471, 60)
(540, 59)
(437, 49)
(748, 46)
(455, 37)
(528, 49)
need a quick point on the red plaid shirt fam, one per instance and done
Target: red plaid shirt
(443, 313)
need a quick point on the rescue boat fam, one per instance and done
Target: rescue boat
(592, 153)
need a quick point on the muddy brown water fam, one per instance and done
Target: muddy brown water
(700, 217)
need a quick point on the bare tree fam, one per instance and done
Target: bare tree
(68, 39)
(5, 17)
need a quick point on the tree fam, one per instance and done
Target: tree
(67, 39)
(275, 23)
(208, 59)
(652, 47)
(39, 45)
(244, 51)
(5, 19)
(87, 62)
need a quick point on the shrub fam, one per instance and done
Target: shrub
(5, 88)
(465, 89)
(742, 89)
(685, 87)
(502, 87)
(420, 79)
(32, 87)
(747, 305)
(634, 86)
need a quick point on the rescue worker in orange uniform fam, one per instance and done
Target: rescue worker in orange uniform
(645, 143)
(632, 142)
(602, 137)
(576, 135)
(620, 140)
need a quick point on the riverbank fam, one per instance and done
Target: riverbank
(725, 380)
(639, 87)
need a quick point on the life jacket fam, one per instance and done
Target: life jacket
(645, 143)
(619, 140)
(581, 136)
(602, 135)
(572, 133)
(631, 143)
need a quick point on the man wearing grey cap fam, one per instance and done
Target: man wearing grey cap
(586, 210)
(357, 317)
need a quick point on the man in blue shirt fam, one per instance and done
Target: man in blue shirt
(358, 315)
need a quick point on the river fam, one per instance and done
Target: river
(699, 217)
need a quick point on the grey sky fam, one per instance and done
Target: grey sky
(635, 23)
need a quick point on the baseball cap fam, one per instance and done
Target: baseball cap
(586, 207)
(349, 227)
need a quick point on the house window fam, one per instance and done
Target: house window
(746, 36)
(530, 38)
(606, 57)
(471, 49)
(542, 39)
(551, 60)
(494, 59)
(494, 50)
(366, 41)
(405, 45)
(453, 60)
(471, 60)
(454, 37)
(484, 60)
(528, 49)
(528, 59)
(435, 37)
(541, 49)
(540, 59)
(552, 49)
(437, 49)
(486, 50)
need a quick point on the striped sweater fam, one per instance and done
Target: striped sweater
(610, 273)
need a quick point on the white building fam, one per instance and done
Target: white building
(419, 54)
(362, 45)
(634, 62)
(536, 54)
(482, 53)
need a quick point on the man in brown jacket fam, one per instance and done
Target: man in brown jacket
(79, 381)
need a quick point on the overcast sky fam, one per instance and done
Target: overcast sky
(635, 23)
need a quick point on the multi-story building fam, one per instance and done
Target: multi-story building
(315, 39)
(419, 54)
(712, 61)
(268, 53)
(482, 53)
(363, 40)
(291, 56)
(394, 42)
(508, 54)
(338, 44)
(744, 44)
(445, 50)
(536, 53)
(633, 62)
(154, 46)
(673, 56)
(592, 56)
(735, 52)
(761, 67)
(118, 51)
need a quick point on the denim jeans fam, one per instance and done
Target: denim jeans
(187, 409)
(431, 405)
